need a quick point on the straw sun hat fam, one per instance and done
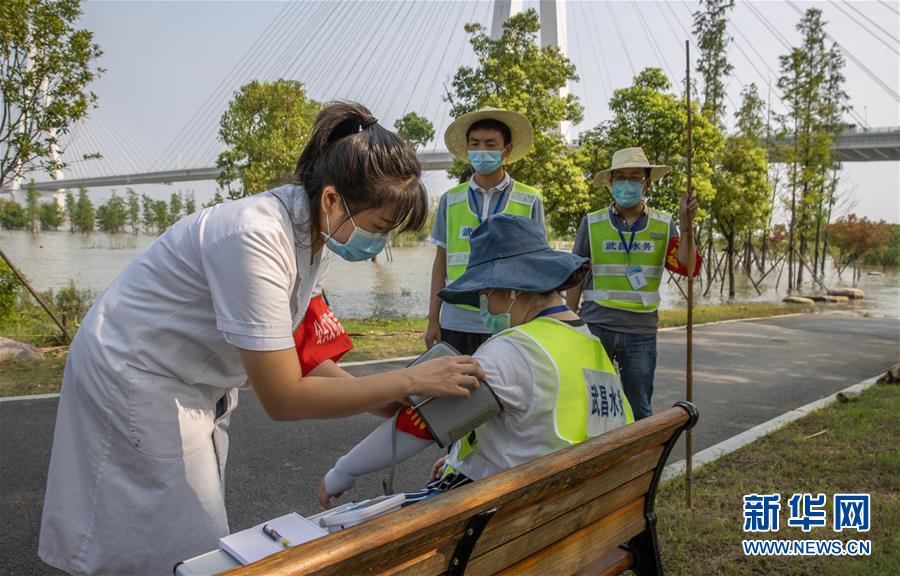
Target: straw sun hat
(520, 128)
(630, 158)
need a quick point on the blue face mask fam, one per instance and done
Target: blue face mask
(485, 161)
(496, 323)
(361, 245)
(627, 192)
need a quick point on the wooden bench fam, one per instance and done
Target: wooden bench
(587, 509)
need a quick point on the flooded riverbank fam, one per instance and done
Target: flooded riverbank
(385, 289)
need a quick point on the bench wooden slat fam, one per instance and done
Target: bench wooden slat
(612, 564)
(536, 540)
(583, 547)
(508, 544)
(511, 522)
(399, 537)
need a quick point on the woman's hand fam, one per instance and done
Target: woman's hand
(325, 498)
(448, 376)
(438, 467)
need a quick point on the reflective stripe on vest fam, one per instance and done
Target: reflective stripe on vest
(612, 288)
(461, 222)
(589, 396)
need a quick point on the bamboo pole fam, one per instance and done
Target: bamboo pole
(689, 225)
(35, 294)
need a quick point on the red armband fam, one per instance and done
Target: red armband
(672, 262)
(320, 336)
(410, 421)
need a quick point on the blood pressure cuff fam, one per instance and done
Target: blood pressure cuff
(320, 336)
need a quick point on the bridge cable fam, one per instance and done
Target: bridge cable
(189, 125)
(660, 55)
(451, 24)
(206, 137)
(205, 143)
(590, 16)
(889, 7)
(891, 47)
(612, 15)
(853, 58)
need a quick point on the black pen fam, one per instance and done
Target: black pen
(274, 535)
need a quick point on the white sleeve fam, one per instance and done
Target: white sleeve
(371, 455)
(509, 372)
(249, 274)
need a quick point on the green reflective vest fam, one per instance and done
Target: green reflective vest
(461, 222)
(589, 396)
(612, 288)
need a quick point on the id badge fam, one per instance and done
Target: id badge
(636, 278)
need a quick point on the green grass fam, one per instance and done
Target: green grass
(22, 377)
(858, 452)
(719, 312)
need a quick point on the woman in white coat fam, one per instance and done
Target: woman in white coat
(136, 479)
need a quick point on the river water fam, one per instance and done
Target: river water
(360, 290)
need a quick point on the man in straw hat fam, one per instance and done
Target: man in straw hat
(486, 139)
(629, 246)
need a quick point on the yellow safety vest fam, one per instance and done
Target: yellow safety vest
(461, 222)
(610, 261)
(590, 399)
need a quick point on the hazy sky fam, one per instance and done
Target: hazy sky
(172, 65)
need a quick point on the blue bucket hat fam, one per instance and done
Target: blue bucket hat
(510, 253)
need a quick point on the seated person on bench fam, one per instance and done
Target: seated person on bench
(553, 379)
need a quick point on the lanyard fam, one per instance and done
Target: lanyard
(630, 242)
(552, 310)
(478, 211)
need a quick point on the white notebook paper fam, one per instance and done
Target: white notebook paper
(252, 544)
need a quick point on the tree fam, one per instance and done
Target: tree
(514, 73)
(12, 215)
(32, 207)
(812, 86)
(216, 199)
(710, 29)
(133, 207)
(112, 215)
(48, 63)
(176, 206)
(83, 220)
(70, 209)
(265, 127)
(51, 216)
(148, 216)
(416, 130)
(160, 216)
(648, 115)
(855, 238)
(741, 203)
(84, 211)
(190, 204)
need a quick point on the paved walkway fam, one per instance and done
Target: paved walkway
(745, 373)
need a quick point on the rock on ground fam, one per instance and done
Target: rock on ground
(12, 349)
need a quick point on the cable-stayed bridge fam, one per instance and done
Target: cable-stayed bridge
(405, 65)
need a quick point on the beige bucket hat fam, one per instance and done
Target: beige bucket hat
(519, 127)
(630, 158)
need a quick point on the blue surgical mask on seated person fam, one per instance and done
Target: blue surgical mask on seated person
(361, 245)
(627, 192)
(496, 323)
(485, 161)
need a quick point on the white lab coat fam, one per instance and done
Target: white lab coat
(136, 479)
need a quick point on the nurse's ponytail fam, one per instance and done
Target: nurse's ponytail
(368, 165)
